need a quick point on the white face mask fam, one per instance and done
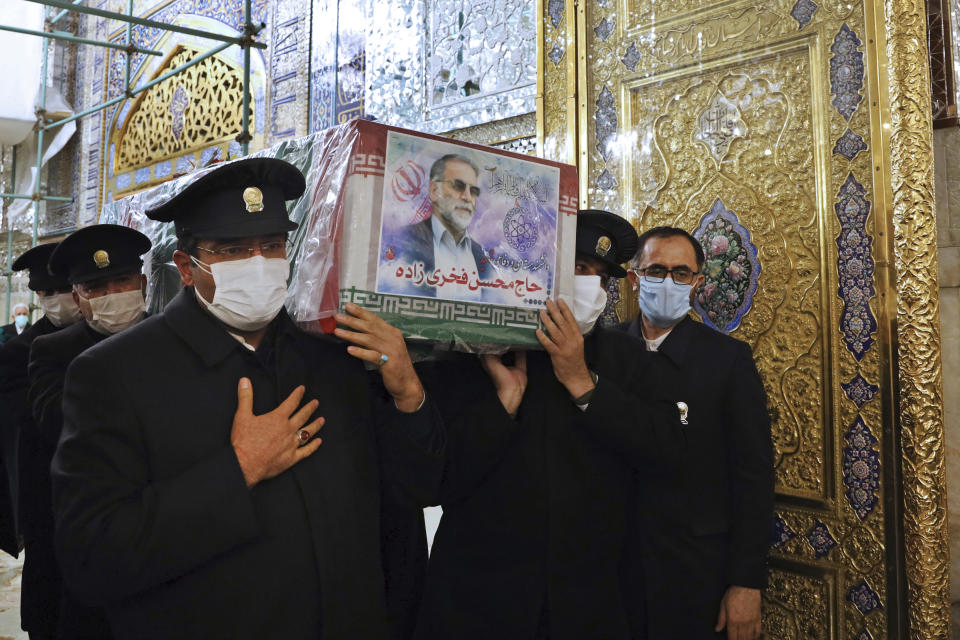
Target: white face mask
(115, 312)
(589, 301)
(250, 292)
(60, 309)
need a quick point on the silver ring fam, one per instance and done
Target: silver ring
(384, 358)
(303, 436)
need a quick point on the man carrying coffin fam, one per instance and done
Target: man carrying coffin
(539, 470)
(196, 495)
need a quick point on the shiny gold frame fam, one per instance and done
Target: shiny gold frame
(906, 255)
(907, 168)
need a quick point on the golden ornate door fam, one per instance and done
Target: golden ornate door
(792, 138)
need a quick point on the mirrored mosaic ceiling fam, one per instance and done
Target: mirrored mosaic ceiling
(430, 65)
(443, 66)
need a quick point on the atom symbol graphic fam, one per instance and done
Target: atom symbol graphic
(520, 229)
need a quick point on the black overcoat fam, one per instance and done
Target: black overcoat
(154, 518)
(45, 607)
(704, 524)
(531, 539)
(14, 358)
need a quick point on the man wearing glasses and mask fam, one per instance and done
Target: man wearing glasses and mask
(441, 241)
(703, 526)
(196, 495)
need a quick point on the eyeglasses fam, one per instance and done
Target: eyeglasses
(459, 186)
(270, 249)
(680, 275)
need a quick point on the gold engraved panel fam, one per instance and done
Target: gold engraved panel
(676, 177)
(796, 606)
(917, 329)
(557, 59)
(777, 110)
(193, 110)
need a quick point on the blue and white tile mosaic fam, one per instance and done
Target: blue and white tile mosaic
(846, 72)
(849, 145)
(604, 29)
(608, 317)
(185, 164)
(555, 10)
(820, 539)
(556, 54)
(864, 597)
(141, 175)
(606, 181)
(803, 12)
(209, 155)
(631, 57)
(861, 469)
(859, 391)
(606, 121)
(163, 169)
(856, 267)
(781, 531)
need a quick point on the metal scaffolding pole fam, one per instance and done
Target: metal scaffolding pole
(248, 33)
(246, 41)
(164, 26)
(69, 37)
(9, 270)
(64, 12)
(24, 196)
(41, 117)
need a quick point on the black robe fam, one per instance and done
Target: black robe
(46, 606)
(154, 518)
(703, 524)
(534, 510)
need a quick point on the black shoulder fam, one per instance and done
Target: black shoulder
(717, 339)
(62, 341)
(149, 333)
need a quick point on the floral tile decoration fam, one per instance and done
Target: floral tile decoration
(849, 145)
(861, 469)
(864, 598)
(606, 181)
(859, 391)
(781, 531)
(855, 264)
(555, 9)
(556, 54)
(846, 72)
(821, 539)
(604, 29)
(731, 271)
(631, 57)
(606, 120)
(803, 12)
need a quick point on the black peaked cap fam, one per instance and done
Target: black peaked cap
(239, 199)
(37, 260)
(99, 251)
(606, 237)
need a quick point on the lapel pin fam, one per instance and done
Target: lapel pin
(682, 406)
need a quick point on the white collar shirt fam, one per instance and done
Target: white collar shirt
(452, 258)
